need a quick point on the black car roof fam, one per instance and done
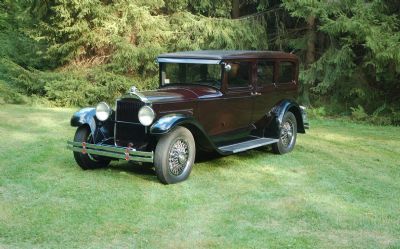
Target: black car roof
(228, 54)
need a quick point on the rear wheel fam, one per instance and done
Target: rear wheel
(174, 156)
(87, 161)
(287, 134)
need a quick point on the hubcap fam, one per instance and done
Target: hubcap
(178, 157)
(287, 134)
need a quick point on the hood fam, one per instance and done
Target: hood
(187, 93)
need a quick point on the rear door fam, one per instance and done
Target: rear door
(286, 85)
(265, 96)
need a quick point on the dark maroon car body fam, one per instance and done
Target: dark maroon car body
(218, 117)
(231, 114)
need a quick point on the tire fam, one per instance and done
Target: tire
(174, 156)
(86, 161)
(287, 134)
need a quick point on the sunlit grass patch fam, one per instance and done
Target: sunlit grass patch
(339, 188)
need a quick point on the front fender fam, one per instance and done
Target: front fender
(85, 116)
(168, 122)
(102, 132)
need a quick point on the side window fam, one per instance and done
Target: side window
(265, 72)
(239, 75)
(286, 72)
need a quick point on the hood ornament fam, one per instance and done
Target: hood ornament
(133, 90)
(134, 93)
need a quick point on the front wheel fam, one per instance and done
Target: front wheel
(174, 156)
(87, 161)
(287, 134)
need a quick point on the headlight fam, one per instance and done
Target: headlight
(146, 115)
(103, 111)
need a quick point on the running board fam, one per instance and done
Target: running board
(254, 143)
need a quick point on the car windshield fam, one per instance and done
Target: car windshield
(188, 73)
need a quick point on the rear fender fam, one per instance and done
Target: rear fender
(290, 105)
(278, 112)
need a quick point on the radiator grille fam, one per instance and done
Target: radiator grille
(127, 127)
(127, 110)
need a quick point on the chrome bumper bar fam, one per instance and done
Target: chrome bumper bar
(126, 153)
(304, 116)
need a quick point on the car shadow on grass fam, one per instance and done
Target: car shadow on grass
(146, 171)
(203, 156)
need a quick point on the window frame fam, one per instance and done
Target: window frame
(249, 87)
(278, 72)
(162, 69)
(274, 72)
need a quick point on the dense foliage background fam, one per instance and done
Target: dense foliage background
(78, 52)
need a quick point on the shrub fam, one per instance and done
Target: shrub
(10, 96)
(316, 113)
(25, 81)
(88, 87)
(358, 113)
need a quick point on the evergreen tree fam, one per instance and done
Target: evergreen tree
(120, 32)
(350, 50)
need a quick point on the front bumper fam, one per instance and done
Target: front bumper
(304, 116)
(126, 153)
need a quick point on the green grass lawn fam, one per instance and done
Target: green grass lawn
(339, 188)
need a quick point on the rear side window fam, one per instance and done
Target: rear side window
(265, 72)
(286, 72)
(239, 75)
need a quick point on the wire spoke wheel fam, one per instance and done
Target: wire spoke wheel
(287, 131)
(178, 157)
(174, 155)
(287, 134)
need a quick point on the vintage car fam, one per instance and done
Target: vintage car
(223, 101)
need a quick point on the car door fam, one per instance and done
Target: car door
(234, 113)
(286, 85)
(264, 85)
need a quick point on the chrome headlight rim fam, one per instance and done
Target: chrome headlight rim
(146, 115)
(103, 111)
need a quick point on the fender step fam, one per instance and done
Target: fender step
(247, 145)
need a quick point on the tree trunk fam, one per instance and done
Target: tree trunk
(310, 56)
(235, 9)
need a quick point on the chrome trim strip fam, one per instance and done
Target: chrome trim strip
(303, 111)
(115, 124)
(112, 151)
(191, 61)
(124, 122)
